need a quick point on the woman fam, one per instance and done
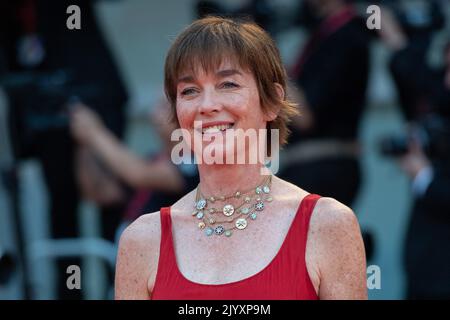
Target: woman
(242, 233)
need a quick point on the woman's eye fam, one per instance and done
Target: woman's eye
(229, 85)
(188, 91)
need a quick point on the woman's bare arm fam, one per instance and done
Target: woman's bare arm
(135, 171)
(88, 129)
(338, 252)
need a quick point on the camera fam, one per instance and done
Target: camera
(40, 103)
(432, 133)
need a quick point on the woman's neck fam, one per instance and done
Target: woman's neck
(223, 180)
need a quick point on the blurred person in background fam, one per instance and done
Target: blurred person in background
(330, 79)
(50, 67)
(155, 181)
(424, 155)
(408, 31)
(323, 151)
(427, 242)
(259, 11)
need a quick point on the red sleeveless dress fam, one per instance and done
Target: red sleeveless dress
(284, 278)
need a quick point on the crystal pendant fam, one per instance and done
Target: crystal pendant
(228, 210)
(244, 210)
(241, 223)
(200, 215)
(219, 230)
(259, 206)
(209, 231)
(201, 204)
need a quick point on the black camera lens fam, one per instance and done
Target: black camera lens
(394, 146)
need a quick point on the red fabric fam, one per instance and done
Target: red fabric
(284, 278)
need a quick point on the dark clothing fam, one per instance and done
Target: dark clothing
(82, 54)
(427, 249)
(413, 90)
(333, 76)
(427, 252)
(440, 94)
(90, 73)
(327, 176)
(332, 72)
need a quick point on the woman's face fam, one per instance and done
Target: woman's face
(223, 99)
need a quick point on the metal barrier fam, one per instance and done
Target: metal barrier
(53, 249)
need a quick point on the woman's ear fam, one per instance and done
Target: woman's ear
(280, 91)
(273, 113)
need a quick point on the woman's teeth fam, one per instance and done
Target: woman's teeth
(215, 129)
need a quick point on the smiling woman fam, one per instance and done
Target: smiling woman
(242, 233)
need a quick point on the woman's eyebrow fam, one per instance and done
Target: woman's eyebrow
(219, 74)
(227, 73)
(187, 79)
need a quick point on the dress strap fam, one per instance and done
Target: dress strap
(300, 225)
(166, 253)
(167, 262)
(298, 232)
(307, 209)
(166, 229)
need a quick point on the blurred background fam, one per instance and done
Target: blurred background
(85, 147)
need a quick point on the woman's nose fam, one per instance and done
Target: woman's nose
(209, 103)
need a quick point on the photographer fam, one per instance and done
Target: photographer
(427, 245)
(408, 30)
(424, 155)
(49, 65)
(324, 149)
(427, 251)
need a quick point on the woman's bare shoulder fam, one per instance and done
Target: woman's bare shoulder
(137, 259)
(333, 223)
(143, 231)
(330, 213)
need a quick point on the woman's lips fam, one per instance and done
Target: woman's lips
(216, 128)
(212, 127)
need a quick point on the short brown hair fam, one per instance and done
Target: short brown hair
(210, 40)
